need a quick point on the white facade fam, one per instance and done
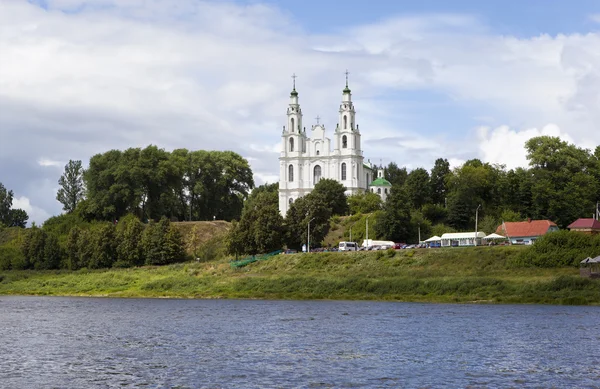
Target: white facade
(307, 158)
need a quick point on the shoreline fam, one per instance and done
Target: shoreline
(469, 276)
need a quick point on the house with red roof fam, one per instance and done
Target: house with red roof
(526, 232)
(587, 226)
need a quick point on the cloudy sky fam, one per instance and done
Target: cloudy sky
(460, 79)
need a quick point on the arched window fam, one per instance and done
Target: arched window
(345, 122)
(293, 127)
(378, 190)
(291, 173)
(318, 152)
(291, 144)
(290, 201)
(344, 141)
(385, 190)
(373, 190)
(317, 174)
(344, 171)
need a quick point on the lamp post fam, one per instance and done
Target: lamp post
(351, 232)
(476, 214)
(367, 231)
(419, 233)
(308, 245)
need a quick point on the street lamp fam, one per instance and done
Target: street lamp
(476, 214)
(308, 248)
(367, 231)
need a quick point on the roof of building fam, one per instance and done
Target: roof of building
(526, 228)
(381, 182)
(462, 235)
(585, 223)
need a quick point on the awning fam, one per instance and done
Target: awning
(433, 239)
(494, 236)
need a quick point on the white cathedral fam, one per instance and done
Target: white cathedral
(306, 159)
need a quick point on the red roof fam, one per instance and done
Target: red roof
(585, 223)
(528, 228)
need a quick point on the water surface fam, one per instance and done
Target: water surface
(52, 342)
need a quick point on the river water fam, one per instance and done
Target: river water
(53, 342)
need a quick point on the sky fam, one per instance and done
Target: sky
(430, 79)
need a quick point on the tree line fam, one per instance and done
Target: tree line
(562, 184)
(67, 242)
(153, 183)
(10, 217)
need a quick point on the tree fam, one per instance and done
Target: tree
(395, 221)
(41, 250)
(8, 216)
(72, 189)
(395, 175)
(418, 188)
(18, 218)
(129, 237)
(334, 195)
(439, 172)
(310, 207)
(261, 228)
(366, 202)
(162, 244)
(103, 247)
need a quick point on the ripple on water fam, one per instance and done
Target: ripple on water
(160, 343)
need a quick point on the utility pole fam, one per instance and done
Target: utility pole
(419, 233)
(308, 248)
(476, 214)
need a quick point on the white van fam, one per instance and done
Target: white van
(348, 246)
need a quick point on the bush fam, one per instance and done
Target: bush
(557, 249)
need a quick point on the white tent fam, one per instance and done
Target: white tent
(494, 236)
(433, 239)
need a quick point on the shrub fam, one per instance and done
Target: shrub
(561, 248)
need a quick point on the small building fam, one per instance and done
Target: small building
(587, 226)
(461, 239)
(526, 232)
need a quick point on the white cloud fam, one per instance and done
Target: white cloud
(215, 75)
(595, 18)
(49, 163)
(505, 146)
(36, 214)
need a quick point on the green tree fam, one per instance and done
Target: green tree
(334, 195)
(71, 190)
(8, 216)
(418, 188)
(129, 237)
(314, 208)
(395, 221)
(395, 175)
(73, 259)
(41, 250)
(103, 247)
(162, 244)
(366, 202)
(439, 173)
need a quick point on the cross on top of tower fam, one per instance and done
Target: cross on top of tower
(347, 72)
(294, 77)
(318, 118)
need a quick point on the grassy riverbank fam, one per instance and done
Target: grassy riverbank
(484, 274)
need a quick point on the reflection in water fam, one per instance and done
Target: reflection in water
(158, 343)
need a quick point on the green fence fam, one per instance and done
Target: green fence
(254, 258)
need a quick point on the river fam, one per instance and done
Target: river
(55, 342)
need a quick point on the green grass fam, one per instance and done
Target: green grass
(482, 275)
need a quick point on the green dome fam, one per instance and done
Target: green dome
(381, 182)
(294, 93)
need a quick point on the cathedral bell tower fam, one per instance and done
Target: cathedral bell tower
(347, 134)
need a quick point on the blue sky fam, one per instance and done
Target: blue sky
(514, 17)
(455, 79)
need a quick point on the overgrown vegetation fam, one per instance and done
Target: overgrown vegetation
(561, 248)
